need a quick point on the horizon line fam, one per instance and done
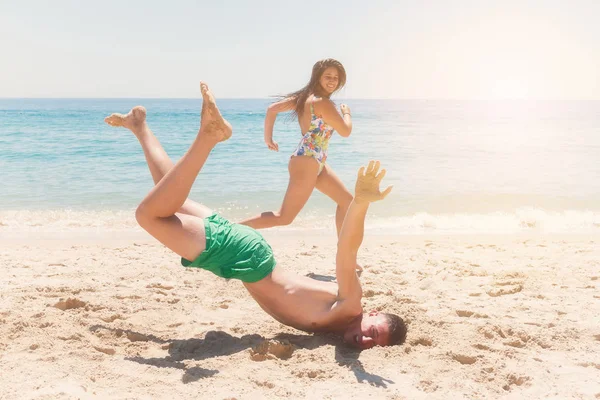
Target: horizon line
(272, 97)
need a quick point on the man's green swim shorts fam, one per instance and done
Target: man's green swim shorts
(234, 251)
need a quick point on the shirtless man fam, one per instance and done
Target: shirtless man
(236, 251)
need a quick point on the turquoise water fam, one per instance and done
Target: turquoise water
(454, 164)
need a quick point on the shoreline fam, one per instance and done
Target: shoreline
(328, 235)
(43, 224)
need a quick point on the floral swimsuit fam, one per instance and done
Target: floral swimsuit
(315, 142)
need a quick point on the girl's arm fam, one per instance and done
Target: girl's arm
(272, 111)
(341, 123)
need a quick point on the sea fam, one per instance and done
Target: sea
(458, 167)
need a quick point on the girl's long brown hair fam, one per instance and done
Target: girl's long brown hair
(313, 86)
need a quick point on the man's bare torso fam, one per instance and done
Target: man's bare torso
(301, 302)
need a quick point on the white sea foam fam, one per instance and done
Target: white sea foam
(524, 220)
(59, 220)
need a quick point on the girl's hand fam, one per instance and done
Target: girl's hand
(271, 144)
(344, 109)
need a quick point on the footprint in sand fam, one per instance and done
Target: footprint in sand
(313, 374)
(514, 380)
(112, 318)
(589, 364)
(266, 384)
(490, 331)
(73, 337)
(371, 293)
(428, 386)
(137, 337)
(159, 286)
(106, 350)
(515, 343)
(405, 300)
(464, 359)
(480, 346)
(422, 341)
(132, 297)
(513, 337)
(467, 314)
(505, 291)
(224, 304)
(269, 349)
(507, 284)
(69, 304)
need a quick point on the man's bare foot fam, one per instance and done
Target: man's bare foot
(212, 123)
(132, 120)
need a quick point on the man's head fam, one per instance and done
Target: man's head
(375, 329)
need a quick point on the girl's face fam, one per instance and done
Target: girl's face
(330, 79)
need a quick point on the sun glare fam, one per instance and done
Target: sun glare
(508, 89)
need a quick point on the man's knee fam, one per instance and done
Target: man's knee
(142, 216)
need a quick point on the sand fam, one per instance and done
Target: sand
(112, 315)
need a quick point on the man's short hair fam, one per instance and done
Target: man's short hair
(397, 329)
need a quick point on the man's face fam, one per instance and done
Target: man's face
(371, 330)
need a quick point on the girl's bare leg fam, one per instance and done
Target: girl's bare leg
(331, 185)
(303, 177)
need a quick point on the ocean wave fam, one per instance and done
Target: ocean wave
(58, 220)
(523, 220)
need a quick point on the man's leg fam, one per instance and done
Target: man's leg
(184, 234)
(158, 161)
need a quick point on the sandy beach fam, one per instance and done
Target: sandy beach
(485, 116)
(113, 315)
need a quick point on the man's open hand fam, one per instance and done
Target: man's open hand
(367, 184)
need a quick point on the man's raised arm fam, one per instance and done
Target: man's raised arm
(352, 232)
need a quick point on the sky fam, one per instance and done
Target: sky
(418, 49)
